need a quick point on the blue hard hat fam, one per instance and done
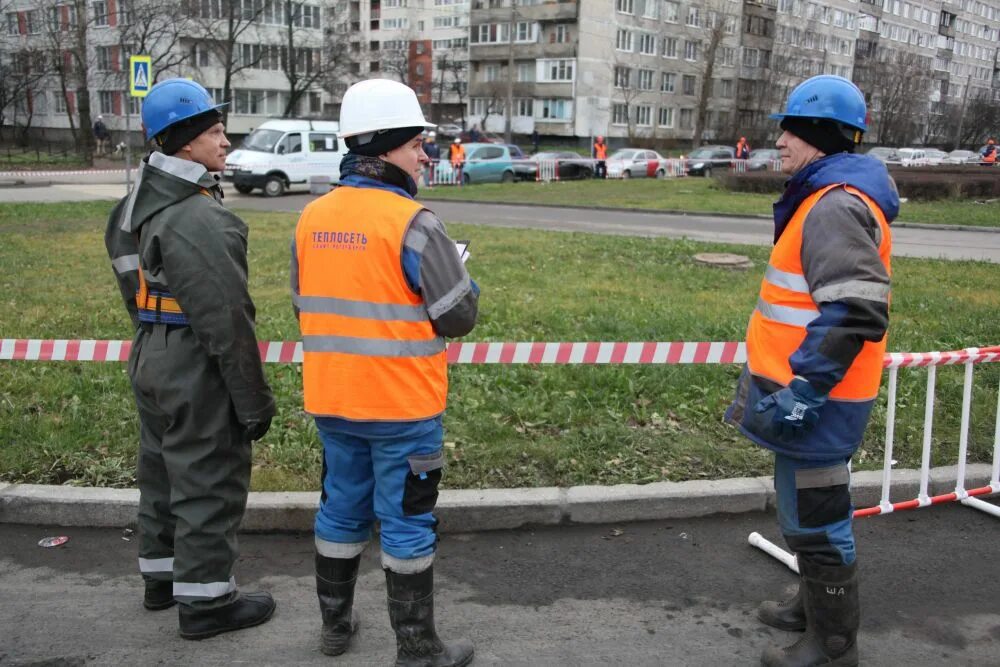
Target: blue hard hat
(172, 101)
(830, 97)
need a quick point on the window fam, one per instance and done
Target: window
(669, 47)
(668, 81)
(560, 34)
(623, 41)
(555, 70)
(724, 88)
(687, 118)
(691, 49)
(60, 102)
(649, 11)
(290, 143)
(619, 114)
(400, 23)
(623, 6)
(694, 17)
(726, 56)
(105, 57)
(322, 142)
(524, 107)
(647, 44)
(107, 99)
(688, 84)
(100, 13)
(554, 109)
(447, 22)
(526, 32)
(33, 25)
(645, 79)
(199, 55)
(419, 69)
(623, 76)
(491, 72)
(12, 27)
(246, 101)
(751, 57)
(525, 72)
(671, 10)
(491, 33)
(666, 118)
(644, 115)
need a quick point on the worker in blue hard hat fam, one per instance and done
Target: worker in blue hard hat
(815, 345)
(180, 261)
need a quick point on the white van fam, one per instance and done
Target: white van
(282, 152)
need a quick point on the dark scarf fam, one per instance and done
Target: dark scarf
(377, 169)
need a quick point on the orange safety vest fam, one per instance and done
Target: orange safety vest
(457, 154)
(601, 151)
(785, 306)
(991, 155)
(369, 350)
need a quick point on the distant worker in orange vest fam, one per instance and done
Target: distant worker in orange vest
(457, 157)
(989, 153)
(600, 155)
(815, 345)
(377, 286)
(742, 149)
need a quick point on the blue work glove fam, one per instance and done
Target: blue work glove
(796, 408)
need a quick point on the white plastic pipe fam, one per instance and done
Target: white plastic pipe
(773, 550)
(925, 462)
(890, 434)
(982, 506)
(963, 441)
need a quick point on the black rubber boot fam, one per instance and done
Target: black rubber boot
(789, 615)
(335, 579)
(411, 614)
(159, 595)
(246, 611)
(833, 616)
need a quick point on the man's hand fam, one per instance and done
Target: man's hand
(257, 429)
(796, 408)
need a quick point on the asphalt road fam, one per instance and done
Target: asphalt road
(681, 593)
(907, 241)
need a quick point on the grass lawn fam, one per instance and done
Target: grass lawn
(507, 426)
(32, 161)
(697, 195)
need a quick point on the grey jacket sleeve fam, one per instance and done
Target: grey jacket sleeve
(203, 248)
(849, 283)
(452, 299)
(123, 250)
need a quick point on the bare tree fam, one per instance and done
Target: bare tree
(626, 89)
(716, 24)
(899, 85)
(22, 71)
(153, 28)
(225, 27)
(459, 71)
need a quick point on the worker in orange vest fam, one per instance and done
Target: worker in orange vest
(377, 287)
(457, 158)
(815, 345)
(600, 154)
(989, 153)
(742, 149)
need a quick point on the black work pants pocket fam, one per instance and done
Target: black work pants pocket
(820, 506)
(420, 492)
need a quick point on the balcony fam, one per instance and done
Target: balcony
(525, 51)
(549, 11)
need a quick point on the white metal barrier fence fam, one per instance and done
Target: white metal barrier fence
(969, 357)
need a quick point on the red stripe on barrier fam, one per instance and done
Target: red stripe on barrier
(479, 353)
(126, 350)
(507, 351)
(590, 352)
(674, 352)
(701, 352)
(537, 353)
(729, 352)
(45, 353)
(100, 350)
(564, 353)
(20, 349)
(647, 354)
(454, 349)
(618, 353)
(72, 350)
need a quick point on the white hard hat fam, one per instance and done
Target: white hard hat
(457, 140)
(379, 104)
(431, 134)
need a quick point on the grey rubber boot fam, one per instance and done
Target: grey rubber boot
(789, 615)
(411, 614)
(833, 615)
(335, 579)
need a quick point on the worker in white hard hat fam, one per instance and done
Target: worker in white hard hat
(377, 287)
(456, 155)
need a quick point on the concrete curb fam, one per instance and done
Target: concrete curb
(467, 510)
(667, 211)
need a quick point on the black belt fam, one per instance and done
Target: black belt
(148, 326)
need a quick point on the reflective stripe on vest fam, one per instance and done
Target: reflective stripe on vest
(785, 307)
(369, 350)
(601, 151)
(457, 153)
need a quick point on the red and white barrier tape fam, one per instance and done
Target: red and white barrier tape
(80, 172)
(24, 349)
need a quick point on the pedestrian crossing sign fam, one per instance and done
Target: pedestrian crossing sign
(140, 70)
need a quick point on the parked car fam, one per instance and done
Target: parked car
(515, 152)
(635, 163)
(761, 159)
(935, 156)
(570, 166)
(912, 157)
(484, 163)
(280, 153)
(883, 153)
(449, 129)
(962, 157)
(704, 159)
